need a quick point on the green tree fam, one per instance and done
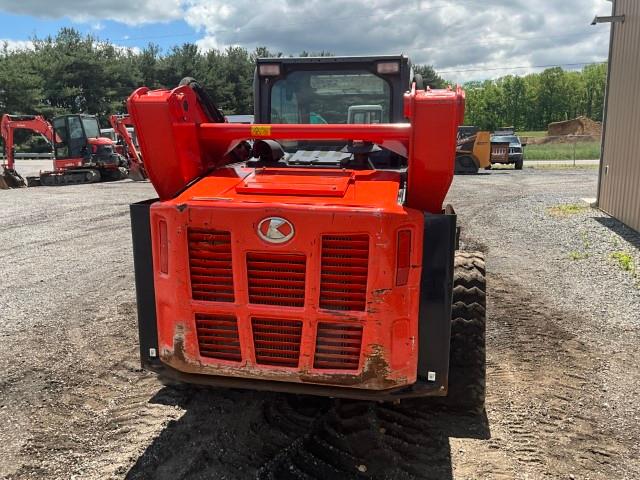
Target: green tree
(535, 100)
(148, 61)
(21, 85)
(239, 68)
(595, 79)
(71, 72)
(515, 101)
(182, 61)
(429, 75)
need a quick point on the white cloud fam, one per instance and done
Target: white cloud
(124, 11)
(124, 49)
(13, 45)
(481, 37)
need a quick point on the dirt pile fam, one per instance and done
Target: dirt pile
(581, 129)
(577, 126)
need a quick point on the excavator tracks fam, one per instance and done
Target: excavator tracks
(70, 177)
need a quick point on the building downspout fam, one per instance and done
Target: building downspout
(606, 105)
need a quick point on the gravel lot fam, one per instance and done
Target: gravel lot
(563, 366)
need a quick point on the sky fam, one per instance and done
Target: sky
(463, 39)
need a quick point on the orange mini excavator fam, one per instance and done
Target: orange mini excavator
(303, 267)
(80, 154)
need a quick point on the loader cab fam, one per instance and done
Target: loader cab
(74, 136)
(333, 90)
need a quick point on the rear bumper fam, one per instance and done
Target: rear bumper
(512, 158)
(431, 372)
(421, 388)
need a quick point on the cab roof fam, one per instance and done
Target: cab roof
(329, 60)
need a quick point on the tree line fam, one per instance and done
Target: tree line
(533, 101)
(71, 73)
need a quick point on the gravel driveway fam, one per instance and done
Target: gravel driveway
(563, 365)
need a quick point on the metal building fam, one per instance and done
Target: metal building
(619, 186)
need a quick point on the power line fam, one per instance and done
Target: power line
(516, 38)
(493, 69)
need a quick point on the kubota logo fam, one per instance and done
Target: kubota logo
(275, 230)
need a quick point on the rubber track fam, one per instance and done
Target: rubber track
(467, 364)
(357, 440)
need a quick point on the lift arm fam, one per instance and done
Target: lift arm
(180, 144)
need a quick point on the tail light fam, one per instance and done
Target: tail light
(403, 259)
(269, 70)
(388, 67)
(164, 247)
(94, 148)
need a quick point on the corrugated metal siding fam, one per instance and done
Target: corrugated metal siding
(619, 193)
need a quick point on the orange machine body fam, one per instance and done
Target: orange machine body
(296, 275)
(231, 303)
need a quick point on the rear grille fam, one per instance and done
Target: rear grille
(338, 346)
(210, 265)
(276, 279)
(345, 263)
(277, 342)
(218, 337)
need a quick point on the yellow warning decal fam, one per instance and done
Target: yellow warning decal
(260, 130)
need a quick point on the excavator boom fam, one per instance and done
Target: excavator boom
(9, 177)
(119, 123)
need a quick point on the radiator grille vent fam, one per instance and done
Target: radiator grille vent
(210, 265)
(218, 337)
(277, 342)
(338, 346)
(345, 263)
(276, 279)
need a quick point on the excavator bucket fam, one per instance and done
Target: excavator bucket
(137, 172)
(11, 179)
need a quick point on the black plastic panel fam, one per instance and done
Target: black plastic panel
(434, 327)
(145, 289)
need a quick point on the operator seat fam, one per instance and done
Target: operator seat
(209, 108)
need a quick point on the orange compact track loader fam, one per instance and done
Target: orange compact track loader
(304, 267)
(473, 151)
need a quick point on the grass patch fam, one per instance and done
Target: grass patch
(536, 134)
(585, 240)
(566, 209)
(624, 260)
(577, 254)
(563, 151)
(562, 166)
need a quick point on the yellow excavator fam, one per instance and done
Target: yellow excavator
(473, 151)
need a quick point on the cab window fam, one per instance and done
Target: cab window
(325, 97)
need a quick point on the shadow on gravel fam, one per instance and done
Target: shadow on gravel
(619, 228)
(233, 434)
